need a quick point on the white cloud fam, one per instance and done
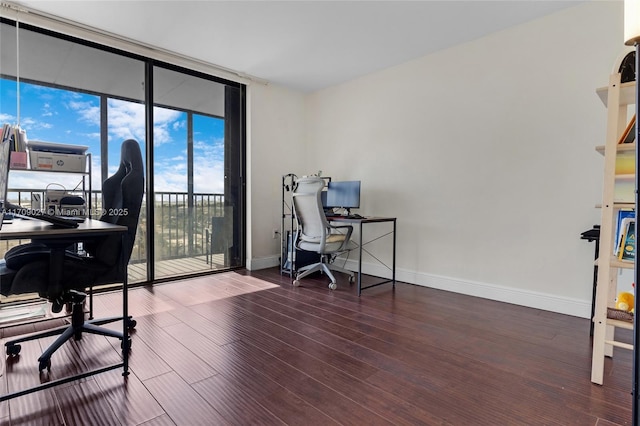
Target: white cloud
(28, 123)
(95, 136)
(86, 111)
(47, 111)
(208, 166)
(211, 151)
(7, 118)
(179, 125)
(127, 120)
(208, 177)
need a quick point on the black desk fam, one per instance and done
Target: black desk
(58, 239)
(361, 244)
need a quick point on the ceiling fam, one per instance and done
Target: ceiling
(302, 45)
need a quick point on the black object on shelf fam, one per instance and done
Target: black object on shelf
(590, 235)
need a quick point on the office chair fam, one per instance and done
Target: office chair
(315, 233)
(25, 268)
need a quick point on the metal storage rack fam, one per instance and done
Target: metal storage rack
(84, 184)
(287, 260)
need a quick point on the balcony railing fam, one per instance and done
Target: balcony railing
(183, 222)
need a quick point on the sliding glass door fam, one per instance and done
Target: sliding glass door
(190, 126)
(195, 214)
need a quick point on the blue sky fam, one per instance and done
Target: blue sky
(56, 115)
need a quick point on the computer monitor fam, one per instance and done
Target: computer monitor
(342, 194)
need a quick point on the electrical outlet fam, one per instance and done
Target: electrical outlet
(275, 234)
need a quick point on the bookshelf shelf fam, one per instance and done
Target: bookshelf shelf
(621, 149)
(619, 323)
(614, 262)
(622, 264)
(627, 94)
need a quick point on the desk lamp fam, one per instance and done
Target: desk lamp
(632, 38)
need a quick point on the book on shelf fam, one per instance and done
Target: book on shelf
(624, 217)
(6, 132)
(17, 139)
(16, 136)
(628, 243)
(629, 134)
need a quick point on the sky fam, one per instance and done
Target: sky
(56, 115)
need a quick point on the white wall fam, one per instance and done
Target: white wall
(485, 153)
(275, 147)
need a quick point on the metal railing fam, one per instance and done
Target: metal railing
(183, 222)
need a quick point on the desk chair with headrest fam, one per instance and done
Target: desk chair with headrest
(316, 234)
(26, 268)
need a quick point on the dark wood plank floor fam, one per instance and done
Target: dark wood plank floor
(243, 348)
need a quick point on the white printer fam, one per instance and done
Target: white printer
(57, 156)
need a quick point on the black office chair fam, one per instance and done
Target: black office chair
(26, 268)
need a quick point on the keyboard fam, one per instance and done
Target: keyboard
(56, 221)
(355, 216)
(351, 216)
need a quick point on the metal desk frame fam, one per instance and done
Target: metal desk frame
(39, 230)
(361, 244)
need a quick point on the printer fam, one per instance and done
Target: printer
(55, 156)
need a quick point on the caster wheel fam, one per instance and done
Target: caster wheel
(44, 364)
(13, 350)
(131, 323)
(352, 279)
(296, 283)
(128, 344)
(333, 286)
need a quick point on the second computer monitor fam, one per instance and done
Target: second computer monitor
(343, 194)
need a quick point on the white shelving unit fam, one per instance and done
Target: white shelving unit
(616, 97)
(84, 184)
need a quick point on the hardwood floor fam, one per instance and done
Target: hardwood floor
(242, 348)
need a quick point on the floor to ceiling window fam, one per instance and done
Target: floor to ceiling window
(194, 212)
(64, 90)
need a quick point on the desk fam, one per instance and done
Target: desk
(361, 244)
(58, 239)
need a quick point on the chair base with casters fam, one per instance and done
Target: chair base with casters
(325, 267)
(75, 330)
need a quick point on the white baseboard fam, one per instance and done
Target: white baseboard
(263, 263)
(533, 299)
(547, 302)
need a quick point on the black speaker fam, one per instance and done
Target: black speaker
(627, 68)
